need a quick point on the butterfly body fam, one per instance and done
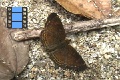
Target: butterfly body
(58, 48)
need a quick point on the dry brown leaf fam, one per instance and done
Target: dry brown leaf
(13, 55)
(96, 9)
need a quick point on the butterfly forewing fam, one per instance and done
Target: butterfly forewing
(54, 33)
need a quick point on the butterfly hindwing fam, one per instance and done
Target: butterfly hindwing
(68, 57)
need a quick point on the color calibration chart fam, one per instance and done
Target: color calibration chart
(16, 17)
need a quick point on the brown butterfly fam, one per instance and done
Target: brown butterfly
(58, 48)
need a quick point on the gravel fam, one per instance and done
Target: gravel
(99, 48)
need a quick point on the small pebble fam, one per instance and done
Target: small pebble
(107, 56)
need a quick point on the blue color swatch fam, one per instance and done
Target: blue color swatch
(16, 16)
(16, 9)
(16, 24)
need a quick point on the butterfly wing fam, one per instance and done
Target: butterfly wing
(53, 40)
(54, 33)
(67, 57)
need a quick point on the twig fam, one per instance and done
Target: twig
(91, 24)
(70, 28)
(25, 35)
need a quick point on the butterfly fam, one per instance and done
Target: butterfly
(53, 39)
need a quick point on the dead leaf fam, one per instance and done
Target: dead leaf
(13, 55)
(96, 9)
